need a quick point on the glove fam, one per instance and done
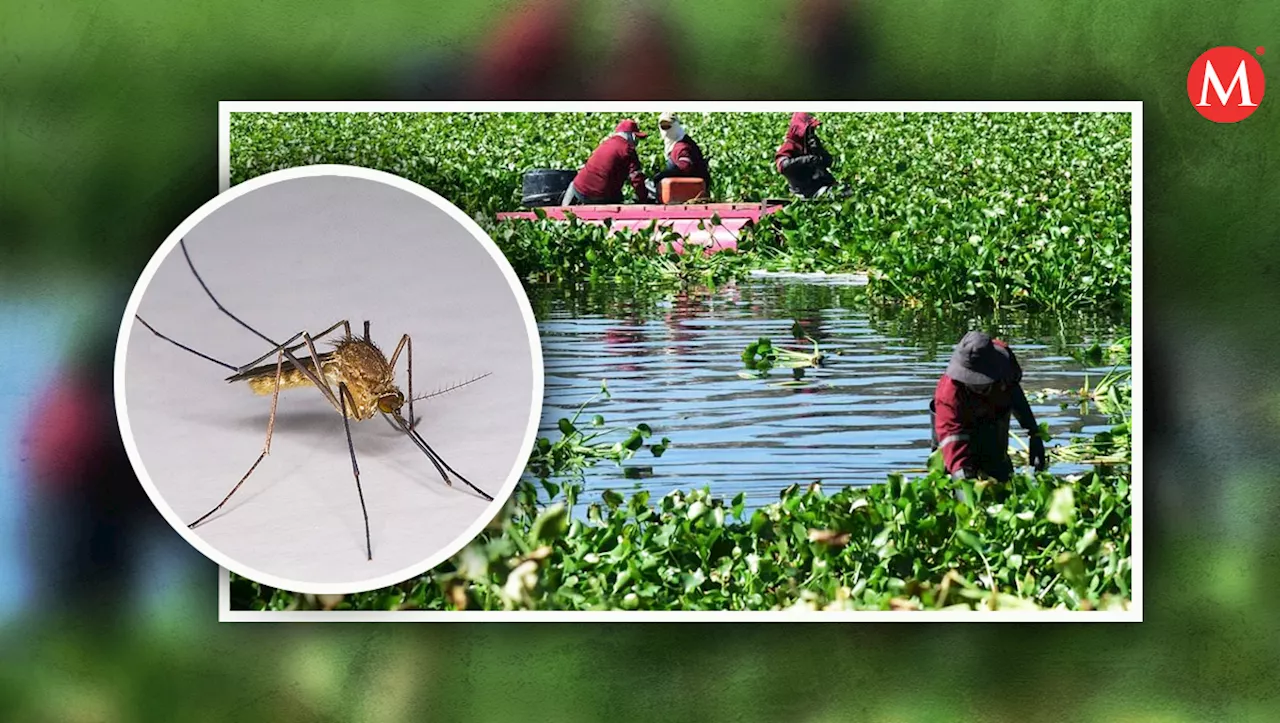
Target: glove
(1037, 456)
(800, 162)
(963, 474)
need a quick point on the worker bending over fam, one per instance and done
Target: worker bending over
(972, 403)
(612, 164)
(802, 158)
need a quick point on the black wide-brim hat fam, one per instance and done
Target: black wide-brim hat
(977, 360)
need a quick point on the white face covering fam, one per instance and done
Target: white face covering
(672, 135)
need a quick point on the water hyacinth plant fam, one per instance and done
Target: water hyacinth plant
(908, 544)
(948, 215)
(922, 543)
(1010, 210)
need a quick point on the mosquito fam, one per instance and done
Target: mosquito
(356, 378)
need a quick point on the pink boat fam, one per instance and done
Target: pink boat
(692, 221)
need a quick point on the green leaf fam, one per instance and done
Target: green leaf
(970, 539)
(1062, 508)
(552, 524)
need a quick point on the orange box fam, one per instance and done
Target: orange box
(679, 190)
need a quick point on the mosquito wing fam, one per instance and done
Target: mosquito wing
(262, 378)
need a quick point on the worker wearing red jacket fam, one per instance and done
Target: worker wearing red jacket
(972, 403)
(612, 164)
(802, 158)
(684, 157)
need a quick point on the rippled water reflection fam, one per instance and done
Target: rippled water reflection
(673, 361)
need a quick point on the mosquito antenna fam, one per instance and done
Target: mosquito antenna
(184, 346)
(214, 299)
(446, 390)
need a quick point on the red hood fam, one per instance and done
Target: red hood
(800, 125)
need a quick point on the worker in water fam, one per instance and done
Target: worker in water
(611, 164)
(971, 407)
(803, 160)
(683, 156)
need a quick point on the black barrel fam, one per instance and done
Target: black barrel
(545, 186)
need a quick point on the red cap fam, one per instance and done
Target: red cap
(630, 126)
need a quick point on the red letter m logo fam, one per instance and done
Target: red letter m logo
(1231, 102)
(1211, 78)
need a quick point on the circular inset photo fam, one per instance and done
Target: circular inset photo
(329, 379)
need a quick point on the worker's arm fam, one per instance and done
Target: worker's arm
(1018, 399)
(683, 159)
(792, 164)
(636, 174)
(953, 438)
(819, 153)
(1022, 409)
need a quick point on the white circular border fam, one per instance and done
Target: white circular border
(222, 199)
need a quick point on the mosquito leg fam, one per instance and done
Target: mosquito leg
(435, 458)
(366, 332)
(290, 346)
(184, 347)
(406, 341)
(266, 446)
(315, 359)
(214, 299)
(343, 395)
(315, 374)
(280, 348)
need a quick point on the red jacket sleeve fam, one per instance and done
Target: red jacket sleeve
(636, 174)
(778, 158)
(682, 157)
(957, 450)
(788, 149)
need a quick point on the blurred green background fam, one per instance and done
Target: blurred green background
(108, 140)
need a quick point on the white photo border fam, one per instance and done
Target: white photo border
(1135, 110)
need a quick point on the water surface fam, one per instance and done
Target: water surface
(673, 361)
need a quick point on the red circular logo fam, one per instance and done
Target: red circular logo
(1225, 84)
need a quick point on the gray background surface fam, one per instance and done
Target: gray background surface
(303, 254)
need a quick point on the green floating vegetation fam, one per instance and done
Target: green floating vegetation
(1040, 542)
(575, 251)
(761, 356)
(1000, 210)
(1112, 396)
(577, 449)
(919, 543)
